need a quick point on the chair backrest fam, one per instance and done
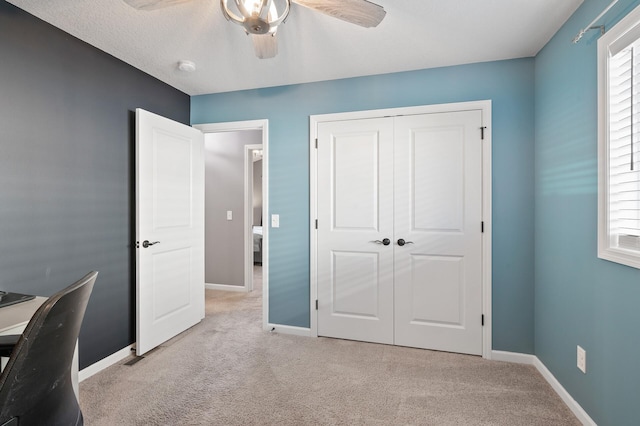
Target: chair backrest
(36, 386)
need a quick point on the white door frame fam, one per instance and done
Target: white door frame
(262, 125)
(485, 107)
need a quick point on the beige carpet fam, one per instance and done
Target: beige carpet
(227, 371)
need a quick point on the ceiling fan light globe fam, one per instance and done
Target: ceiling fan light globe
(256, 16)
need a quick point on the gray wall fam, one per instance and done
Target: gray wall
(66, 171)
(224, 190)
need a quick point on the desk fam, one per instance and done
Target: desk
(14, 319)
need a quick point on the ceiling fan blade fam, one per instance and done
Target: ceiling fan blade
(359, 12)
(265, 45)
(152, 4)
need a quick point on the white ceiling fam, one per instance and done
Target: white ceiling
(415, 34)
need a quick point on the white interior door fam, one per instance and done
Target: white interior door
(169, 229)
(417, 179)
(355, 161)
(438, 213)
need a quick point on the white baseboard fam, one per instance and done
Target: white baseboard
(226, 287)
(519, 358)
(112, 359)
(566, 397)
(514, 357)
(289, 329)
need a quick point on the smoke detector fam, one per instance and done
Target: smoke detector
(186, 66)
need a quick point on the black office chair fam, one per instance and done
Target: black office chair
(36, 386)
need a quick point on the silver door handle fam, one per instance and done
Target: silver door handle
(146, 243)
(402, 242)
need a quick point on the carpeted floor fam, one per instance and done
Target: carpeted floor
(228, 371)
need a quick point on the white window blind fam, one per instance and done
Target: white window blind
(624, 148)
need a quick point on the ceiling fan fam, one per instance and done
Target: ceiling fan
(260, 18)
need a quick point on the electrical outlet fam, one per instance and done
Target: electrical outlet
(582, 359)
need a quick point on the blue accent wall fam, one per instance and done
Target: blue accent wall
(580, 299)
(509, 84)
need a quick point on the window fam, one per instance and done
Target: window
(619, 142)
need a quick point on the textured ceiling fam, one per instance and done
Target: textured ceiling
(415, 34)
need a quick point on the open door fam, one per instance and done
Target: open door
(169, 229)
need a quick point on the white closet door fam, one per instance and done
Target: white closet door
(438, 213)
(417, 179)
(355, 214)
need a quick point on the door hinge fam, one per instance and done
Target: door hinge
(316, 223)
(482, 226)
(483, 320)
(316, 304)
(482, 132)
(316, 143)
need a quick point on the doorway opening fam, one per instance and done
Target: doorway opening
(253, 160)
(236, 206)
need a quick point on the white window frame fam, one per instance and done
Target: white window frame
(621, 35)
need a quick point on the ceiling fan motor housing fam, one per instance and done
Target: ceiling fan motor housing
(256, 25)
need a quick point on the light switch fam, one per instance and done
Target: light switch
(275, 221)
(229, 215)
